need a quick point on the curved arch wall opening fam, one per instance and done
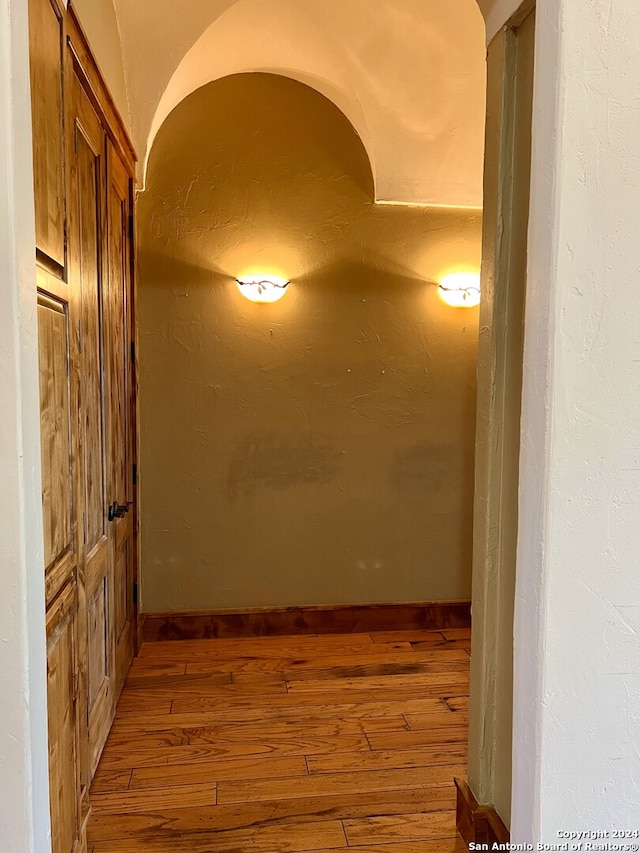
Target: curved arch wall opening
(409, 76)
(317, 450)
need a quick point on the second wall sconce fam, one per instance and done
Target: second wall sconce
(460, 289)
(262, 287)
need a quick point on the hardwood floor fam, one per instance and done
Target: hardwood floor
(276, 744)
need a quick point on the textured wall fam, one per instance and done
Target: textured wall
(98, 19)
(318, 450)
(577, 664)
(409, 75)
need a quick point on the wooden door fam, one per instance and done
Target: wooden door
(83, 163)
(58, 342)
(120, 448)
(86, 274)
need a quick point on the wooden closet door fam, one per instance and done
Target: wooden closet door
(86, 273)
(120, 410)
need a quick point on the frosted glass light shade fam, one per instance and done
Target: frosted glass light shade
(262, 287)
(460, 289)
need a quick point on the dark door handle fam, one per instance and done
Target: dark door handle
(117, 510)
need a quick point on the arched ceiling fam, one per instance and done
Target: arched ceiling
(409, 75)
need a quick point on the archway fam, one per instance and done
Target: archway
(417, 103)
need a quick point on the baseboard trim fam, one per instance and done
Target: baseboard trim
(281, 621)
(477, 824)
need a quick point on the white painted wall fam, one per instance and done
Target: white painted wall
(577, 690)
(24, 795)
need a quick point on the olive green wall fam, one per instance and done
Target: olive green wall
(498, 441)
(318, 450)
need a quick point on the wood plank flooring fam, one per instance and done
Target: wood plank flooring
(276, 744)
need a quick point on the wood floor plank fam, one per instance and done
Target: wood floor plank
(148, 682)
(128, 757)
(338, 783)
(390, 829)
(103, 827)
(434, 681)
(239, 645)
(457, 703)
(141, 668)
(236, 644)
(442, 845)
(169, 650)
(445, 661)
(292, 664)
(244, 677)
(457, 633)
(463, 644)
(283, 839)
(111, 779)
(310, 693)
(298, 714)
(290, 652)
(204, 735)
(388, 759)
(248, 769)
(136, 707)
(411, 636)
(129, 801)
(197, 686)
(426, 737)
(211, 678)
(417, 722)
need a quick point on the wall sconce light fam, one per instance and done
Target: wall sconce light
(262, 287)
(460, 289)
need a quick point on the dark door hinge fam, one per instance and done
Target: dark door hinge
(134, 474)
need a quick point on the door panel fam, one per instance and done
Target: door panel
(61, 701)
(98, 646)
(120, 445)
(118, 225)
(45, 36)
(89, 167)
(86, 218)
(123, 604)
(55, 437)
(58, 403)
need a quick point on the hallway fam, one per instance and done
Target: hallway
(377, 436)
(287, 744)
